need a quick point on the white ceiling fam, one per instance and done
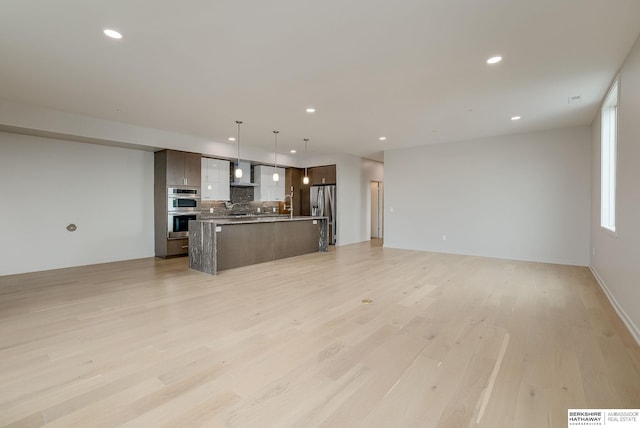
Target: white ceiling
(411, 70)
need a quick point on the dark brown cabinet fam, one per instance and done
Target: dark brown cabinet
(322, 175)
(318, 175)
(293, 178)
(177, 247)
(183, 169)
(172, 169)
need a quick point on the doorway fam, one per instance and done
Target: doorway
(377, 210)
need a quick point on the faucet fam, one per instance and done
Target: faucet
(228, 205)
(290, 207)
(231, 208)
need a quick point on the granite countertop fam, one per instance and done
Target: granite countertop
(256, 219)
(252, 215)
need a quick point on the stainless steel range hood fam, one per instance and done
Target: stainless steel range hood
(245, 180)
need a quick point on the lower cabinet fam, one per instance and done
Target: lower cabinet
(246, 244)
(177, 247)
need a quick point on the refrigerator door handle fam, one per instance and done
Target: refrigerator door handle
(320, 201)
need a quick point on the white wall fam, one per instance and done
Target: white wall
(353, 189)
(353, 180)
(108, 193)
(523, 197)
(377, 213)
(354, 176)
(40, 120)
(46, 184)
(616, 262)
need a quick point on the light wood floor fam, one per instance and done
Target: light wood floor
(448, 341)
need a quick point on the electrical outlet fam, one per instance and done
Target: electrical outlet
(444, 237)
(211, 210)
(258, 209)
(274, 209)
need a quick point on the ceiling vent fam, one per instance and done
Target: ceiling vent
(575, 99)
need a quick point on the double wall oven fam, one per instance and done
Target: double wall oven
(183, 205)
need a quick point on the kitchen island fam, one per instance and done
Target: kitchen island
(224, 243)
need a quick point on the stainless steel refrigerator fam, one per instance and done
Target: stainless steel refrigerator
(323, 204)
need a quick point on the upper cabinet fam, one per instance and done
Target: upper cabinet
(267, 189)
(183, 169)
(319, 175)
(293, 183)
(215, 179)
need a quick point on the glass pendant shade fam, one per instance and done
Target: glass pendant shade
(276, 176)
(305, 179)
(238, 171)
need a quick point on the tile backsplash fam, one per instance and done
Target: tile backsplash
(223, 208)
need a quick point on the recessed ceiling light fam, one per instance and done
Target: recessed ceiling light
(311, 110)
(494, 60)
(382, 138)
(292, 151)
(515, 117)
(112, 33)
(232, 138)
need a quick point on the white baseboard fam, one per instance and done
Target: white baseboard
(635, 332)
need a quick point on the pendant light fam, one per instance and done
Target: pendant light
(276, 176)
(305, 179)
(238, 172)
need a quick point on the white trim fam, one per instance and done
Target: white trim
(633, 329)
(532, 259)
(609, 158)
(612, 233)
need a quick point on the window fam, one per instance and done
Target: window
(608, 167)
